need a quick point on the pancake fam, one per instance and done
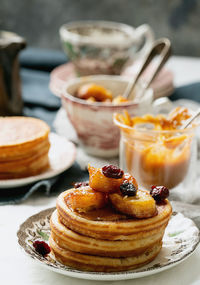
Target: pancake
(70, 240)
(104, 239)
(24, 147)
(103, 264)
(18, 131)
(108, 224)
(33, 167)
(24, 151)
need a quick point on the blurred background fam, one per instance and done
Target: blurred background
(39, 20)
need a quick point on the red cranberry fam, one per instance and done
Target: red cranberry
(41, 247)
(128, 189)
(112, 171)
(159, 193)
(79, 184)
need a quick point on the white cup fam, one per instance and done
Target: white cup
(102, 47)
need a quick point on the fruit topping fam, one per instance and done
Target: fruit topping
(128, 189)
(41, 247)
(80, 184)
(112, 171)
(85, 199)
(173, 121)
(159, 193)
(119, 99)
(99, 93)
(121, 189)
(129, 178)
(142, 205)
(99, 182)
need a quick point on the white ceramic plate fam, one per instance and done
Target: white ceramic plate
(62, 155)
(180, 240)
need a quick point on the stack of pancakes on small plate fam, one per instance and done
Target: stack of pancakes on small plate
(104, 239)
(24, 147)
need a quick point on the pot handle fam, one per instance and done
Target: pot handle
(144, 31)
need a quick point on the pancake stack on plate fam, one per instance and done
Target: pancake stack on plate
(105, 240)
(24, 147)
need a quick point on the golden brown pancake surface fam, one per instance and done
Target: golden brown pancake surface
(20, 130)
(70, 240)
(105, 240)
(122, 227)
(103, 264)
(108, 226)
(24, 147)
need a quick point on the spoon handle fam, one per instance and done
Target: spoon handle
(160, 47)
(191, 119)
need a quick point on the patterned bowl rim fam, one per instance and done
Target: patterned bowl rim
(116, 78)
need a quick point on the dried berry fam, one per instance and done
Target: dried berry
(128, 189)
(79, 184)
(159, 193)
(41, 247)
(112, 171)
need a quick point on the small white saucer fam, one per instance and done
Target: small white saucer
(62, 155)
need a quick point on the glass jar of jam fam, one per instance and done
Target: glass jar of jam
(156, 150)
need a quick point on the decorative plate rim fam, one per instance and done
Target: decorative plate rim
(103, 276)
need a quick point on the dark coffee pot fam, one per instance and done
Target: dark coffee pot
(10, 85)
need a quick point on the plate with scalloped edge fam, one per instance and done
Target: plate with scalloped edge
(179, 242)
(62, 154)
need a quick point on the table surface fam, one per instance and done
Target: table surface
(185, 69)
(16, 268)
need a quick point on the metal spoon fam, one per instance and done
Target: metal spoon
(160, 47)
(191, 119)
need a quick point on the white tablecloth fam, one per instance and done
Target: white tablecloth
(16, 268)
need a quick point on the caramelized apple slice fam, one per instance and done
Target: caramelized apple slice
(119, 100)
(178, 115)
(85, 199)
(99, 182)
(99, 93)
(174, 142)
(142, 205)
(91, 100)
(129, 178)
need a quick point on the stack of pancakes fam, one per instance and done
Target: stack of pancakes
(24, 147)
(105, 240)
